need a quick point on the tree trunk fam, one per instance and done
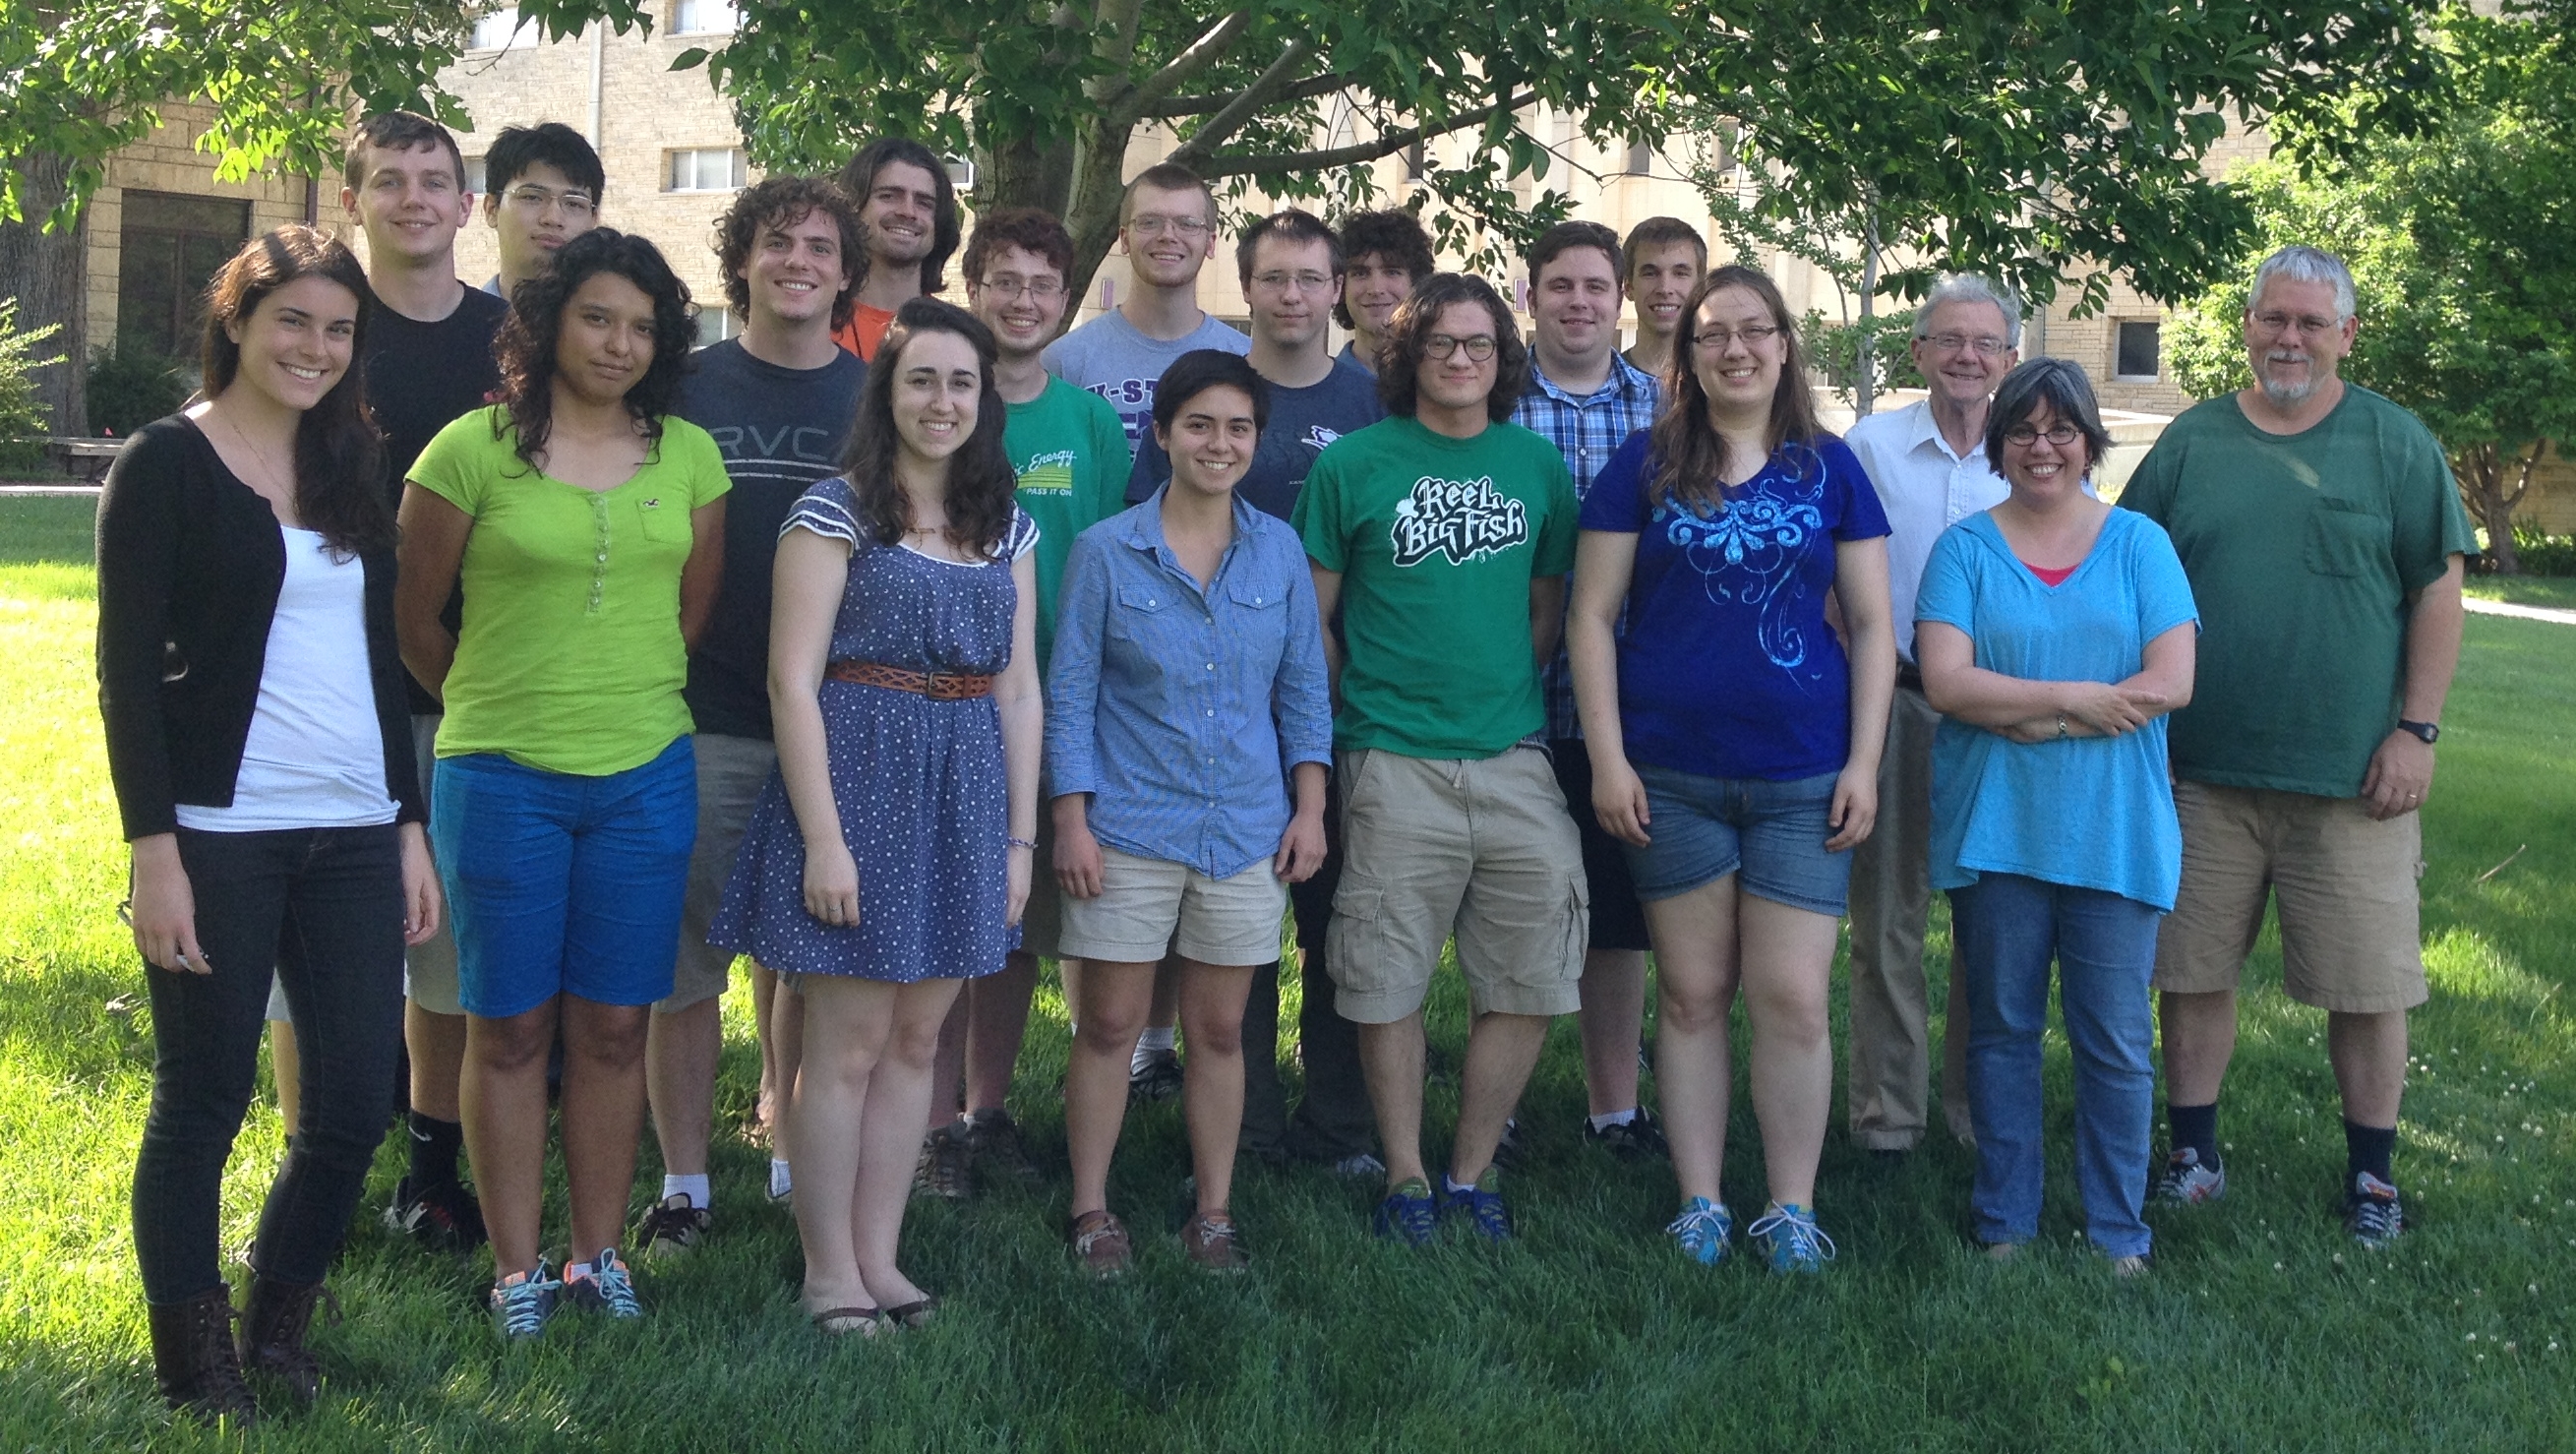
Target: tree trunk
(43, 271)
(2481, 472)
(1097, 184)
(1865, 386)
(1028, 173)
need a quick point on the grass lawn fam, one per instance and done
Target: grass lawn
(2260, 1327)
(2555, 592)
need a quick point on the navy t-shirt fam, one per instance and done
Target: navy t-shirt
(1302, 422)
(780, 430)
(422, 377)
(1728, 669)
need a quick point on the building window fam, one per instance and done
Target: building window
(2139, 354)
(715, 325)
(707, 169)
(492, 31)
(1413, 162)
(704, 17)
(474, 175)
(1641, 158)
(169, 248)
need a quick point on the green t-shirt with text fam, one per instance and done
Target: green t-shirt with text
(1437, 541)
(1070, 452)
(2301, 549)
(570, 659)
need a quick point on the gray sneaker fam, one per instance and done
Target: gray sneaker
(2188, 1183)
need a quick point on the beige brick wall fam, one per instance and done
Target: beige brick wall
(167, 161)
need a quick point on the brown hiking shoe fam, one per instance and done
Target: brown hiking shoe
(272, 1334)
(945, 1164)
(1209, 1240)
(1100, 1245)
(195, 1361)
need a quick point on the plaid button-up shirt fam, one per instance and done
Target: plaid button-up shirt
(1587, 430)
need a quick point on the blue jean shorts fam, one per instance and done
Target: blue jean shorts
(1772, 834)
(560, 884)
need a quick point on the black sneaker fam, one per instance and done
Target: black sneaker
(675, 1225)
(1510, 1150)
(993, 1140)
(2372, 1213)
(445, 1216)
(1635, 1140)
(1158, 1079)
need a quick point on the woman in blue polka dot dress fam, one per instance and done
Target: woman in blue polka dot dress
(887, 860)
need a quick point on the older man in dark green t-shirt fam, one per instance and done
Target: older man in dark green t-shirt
(1443, 535)
(2324, 539)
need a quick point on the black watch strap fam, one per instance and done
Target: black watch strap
(2431, 732)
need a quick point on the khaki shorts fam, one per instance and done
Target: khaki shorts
(2351, 942)
(1042, 921)
(731, 773)
(1146, 904)
(1483, 849)
(429, 969)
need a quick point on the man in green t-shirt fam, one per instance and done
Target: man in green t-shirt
(2324, 539)
(1070, 452)
(1443, 536)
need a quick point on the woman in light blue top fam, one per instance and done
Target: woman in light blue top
(2055, 633)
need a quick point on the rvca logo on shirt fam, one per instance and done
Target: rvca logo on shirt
(1460, 520)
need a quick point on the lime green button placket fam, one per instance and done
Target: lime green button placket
(599, 551)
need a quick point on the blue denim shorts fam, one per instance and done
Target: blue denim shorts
(1772, 834)
(559, 884)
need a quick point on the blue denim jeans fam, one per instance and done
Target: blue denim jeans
(2007, 930)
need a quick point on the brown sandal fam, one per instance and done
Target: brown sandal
(912, 1317)
(1100, 1244)
(841, 1322)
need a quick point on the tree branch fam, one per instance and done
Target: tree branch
(1176, 107)
(1131, 104)
(1263, 91)
(1387, 144)
(1118, 48)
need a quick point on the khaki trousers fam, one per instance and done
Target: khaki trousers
(1891, 896)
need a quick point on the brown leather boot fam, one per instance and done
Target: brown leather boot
(272, 1335)
(194, 1361)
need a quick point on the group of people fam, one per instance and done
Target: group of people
(485, 671)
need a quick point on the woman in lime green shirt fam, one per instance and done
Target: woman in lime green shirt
(587, 529)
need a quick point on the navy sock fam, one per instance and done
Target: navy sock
(434, 1145)
(2368, 1148)
(2197, 1128)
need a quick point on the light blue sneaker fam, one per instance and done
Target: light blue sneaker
(1703, 1229)
(1789, 1240)
(523, 1301)
(609, 1288)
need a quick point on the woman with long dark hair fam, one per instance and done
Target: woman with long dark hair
(256, 733)
(588, 529)
(1734, 739)
(888, 859)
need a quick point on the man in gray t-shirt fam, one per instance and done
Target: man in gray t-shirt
(1167, 224)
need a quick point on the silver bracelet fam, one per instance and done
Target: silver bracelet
(1027, 843)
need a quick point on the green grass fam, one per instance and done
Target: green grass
(2260, 1328)
(2556, 592)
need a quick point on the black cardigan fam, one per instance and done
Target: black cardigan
(190, 561)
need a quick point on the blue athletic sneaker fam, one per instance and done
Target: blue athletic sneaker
(1703, 1230)
(522, 1302)
(1482, 1206)
(1789, 1239)
(1407, 1215)
(608, 1289)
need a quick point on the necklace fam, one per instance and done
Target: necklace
(283, 481)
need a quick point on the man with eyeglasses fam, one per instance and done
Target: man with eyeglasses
(1442, 537)
(1291, 268)
(909, 205)
(1586, 400)
(542, 188)
(1070, 454)
(429, 360)
(2324, 539)
(1928, 464)
(1167, 225)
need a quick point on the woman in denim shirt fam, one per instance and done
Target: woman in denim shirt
(1187, 688)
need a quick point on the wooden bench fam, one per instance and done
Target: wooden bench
(88, 458)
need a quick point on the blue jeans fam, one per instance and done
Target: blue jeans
(2007, 929)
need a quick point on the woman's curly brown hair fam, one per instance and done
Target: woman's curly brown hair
(526, 344)
(982, 487)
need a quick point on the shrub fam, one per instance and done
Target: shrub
(1835, 351)
(23, 421)
(2544, 554)
(131, 387)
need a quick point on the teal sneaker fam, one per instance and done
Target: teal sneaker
(523, 1301)
(609, 1288)
(1703, 1231)
(1407, 1215)
(1789, 1239)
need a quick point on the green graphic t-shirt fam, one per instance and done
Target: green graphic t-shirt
(1070, 453)
(1437, 541)
(2301, 549)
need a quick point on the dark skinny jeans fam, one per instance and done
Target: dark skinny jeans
(323, 907)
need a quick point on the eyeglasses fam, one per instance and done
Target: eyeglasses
(2061, 434)
(540, 200)
(1479, 346)
(1010, 285)
(1279, 282)
(1986, 347)
(2306, 324)
(1153, 224)
(1754, 335)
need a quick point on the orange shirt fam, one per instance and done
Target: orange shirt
(860, 335)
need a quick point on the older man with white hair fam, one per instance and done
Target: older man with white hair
(1928, 462)
(2324, 540)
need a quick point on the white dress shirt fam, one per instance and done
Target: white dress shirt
(1925, 489)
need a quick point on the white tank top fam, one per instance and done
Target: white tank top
(315, 757)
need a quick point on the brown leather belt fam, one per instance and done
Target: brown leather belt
(937, 686)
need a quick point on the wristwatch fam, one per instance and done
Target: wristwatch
(2431, 732)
